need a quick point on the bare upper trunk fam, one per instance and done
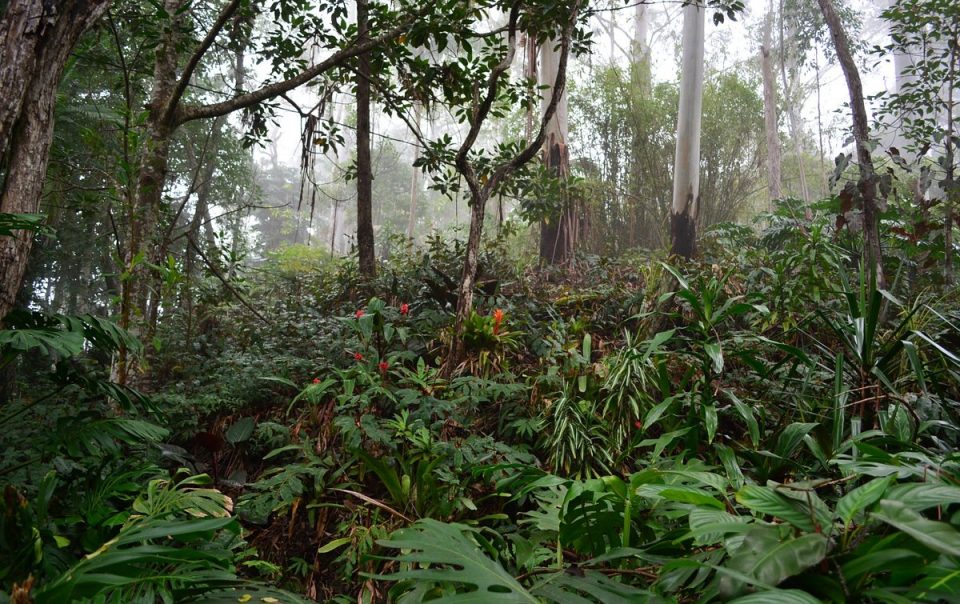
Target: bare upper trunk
(640, 47)
(793, 115)
(770, 112)
(36, 39)
(686, 175)
(559, 232)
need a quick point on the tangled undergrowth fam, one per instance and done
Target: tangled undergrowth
(762, 426)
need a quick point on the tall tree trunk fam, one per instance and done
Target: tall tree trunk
(530, 50)
(365, 243)
(640, 48)
(793, 115)
(949, 156)
(873, 255)
(36, 39)
(144, 211)
(774, 190)
(559, 232)
(686, 175)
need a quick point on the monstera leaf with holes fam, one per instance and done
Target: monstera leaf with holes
(444, 563)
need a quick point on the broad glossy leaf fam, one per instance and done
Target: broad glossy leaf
(880, 560)
(441, 552)
(777, 596)
(861, 498)
(938, 536)
(767, 501)
(772, 563)
(680, 494)
(708, 526)
(923, 496)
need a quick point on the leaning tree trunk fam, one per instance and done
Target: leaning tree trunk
(873, 255)
(558, 232)
(36, 39)
(774, 180)
(365, 242)
(686, 175)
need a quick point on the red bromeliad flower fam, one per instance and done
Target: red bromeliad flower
(497, 320)
(404, 309)
(359, 313)
(357, 356)
(316, 380)
(383, 367)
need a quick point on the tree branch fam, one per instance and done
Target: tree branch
(559, 84)
(195, 58)
(269, 91)
(483, 109)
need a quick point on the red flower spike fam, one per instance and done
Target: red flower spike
(359, 313)
(316, 380)
(357, 356)
(497, 320)
(638, 424)
(404, 309)
(383, 367)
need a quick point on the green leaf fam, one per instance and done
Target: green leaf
(27, 222)
(768, 501)
(923, 496)
(240, 430)
(881, 560)
(680, 494)
(439, 552)
(791, 437)
(332, 545)
(938, 536)
(753, 429)
(715, 352)
(861, 498)
(711, 421)
(709, 526)
(777, 596)
(657, 411)
(772, 562)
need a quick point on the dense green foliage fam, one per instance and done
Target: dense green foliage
(759, 423)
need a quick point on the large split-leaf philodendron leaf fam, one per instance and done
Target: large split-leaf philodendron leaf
(445, 555)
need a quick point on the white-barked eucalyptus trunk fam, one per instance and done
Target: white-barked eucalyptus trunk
(686, 166)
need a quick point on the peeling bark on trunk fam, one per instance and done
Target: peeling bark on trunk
(365, 242)
(36, 39)
(873, 255)
(686, 176)
(774, 190)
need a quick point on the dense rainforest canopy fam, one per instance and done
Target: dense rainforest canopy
(554, 301)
